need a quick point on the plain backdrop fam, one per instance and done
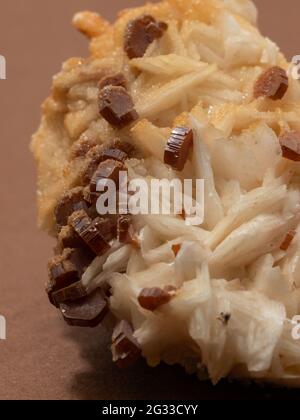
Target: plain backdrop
(42, 358)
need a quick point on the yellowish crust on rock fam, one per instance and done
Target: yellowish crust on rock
(71, 110)
(90, 24)
(61, 127)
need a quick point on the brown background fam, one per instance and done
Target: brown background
(42, 358)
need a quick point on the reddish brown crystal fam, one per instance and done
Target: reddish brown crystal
(125, 348)
(178, 147)
(87, 229)
(290, 145)
(86, 312)
(176, 248)
(153, 298)
(140, 33)
(288, 240)
(273, 84)
(72, 201)
(116, 106)
(109, 169)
